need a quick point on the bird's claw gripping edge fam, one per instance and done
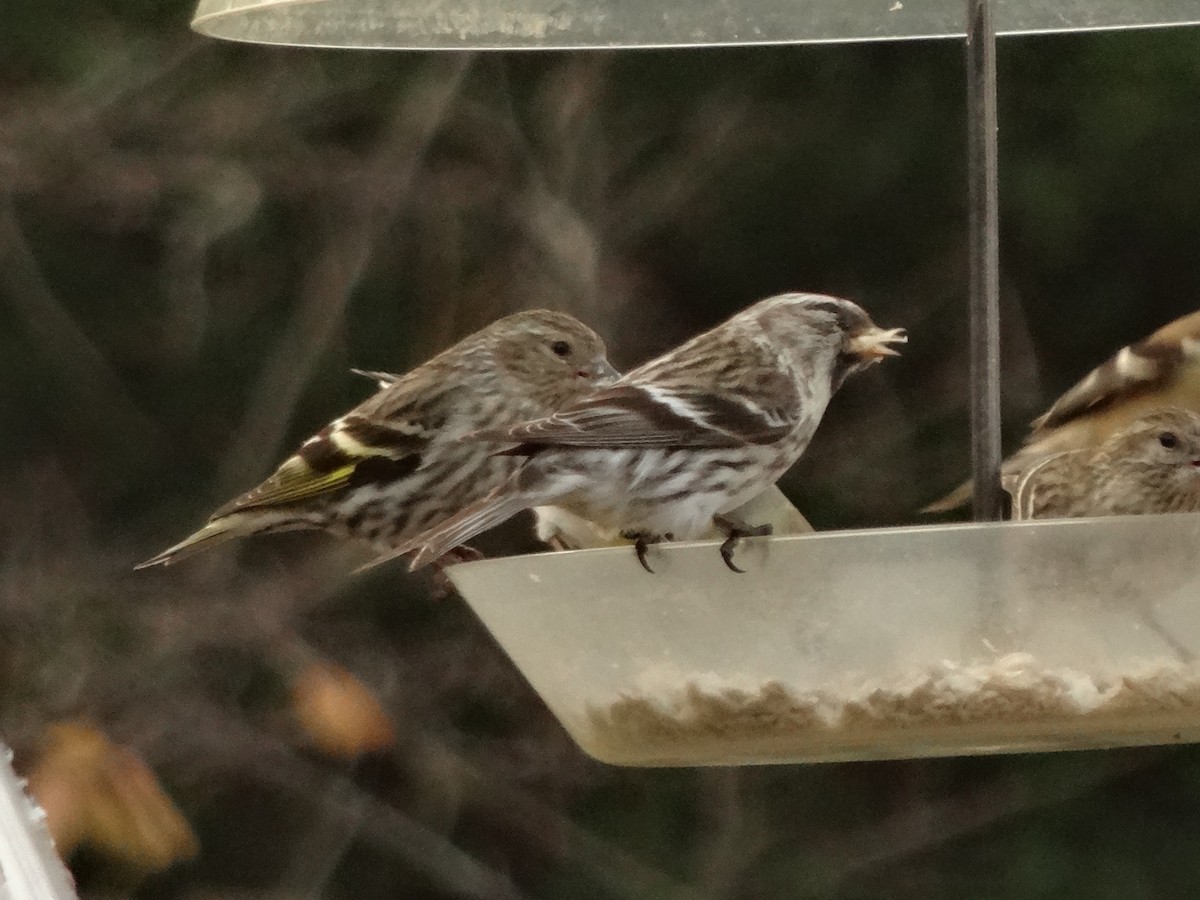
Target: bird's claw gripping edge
(442, 586)
(734, 533)
(641, 544)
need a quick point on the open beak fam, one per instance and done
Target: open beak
(872, 345)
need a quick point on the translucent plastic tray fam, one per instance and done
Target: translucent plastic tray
(902, 642)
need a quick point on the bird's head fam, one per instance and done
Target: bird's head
(839, 326)
(1154, 463)
(551, 353)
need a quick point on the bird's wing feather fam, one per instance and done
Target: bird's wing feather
(381, 439)
(643, 415)
(293, 481)
(351, 449)
(1134, 368)
(703, 394)
(382, 380)
(501, 504)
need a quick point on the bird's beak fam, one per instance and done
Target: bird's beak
(872, 345)
(602, 372)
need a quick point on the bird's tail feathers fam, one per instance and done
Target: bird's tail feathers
(215, 532)
(960, 496)
(498, 506)
(1013, 467)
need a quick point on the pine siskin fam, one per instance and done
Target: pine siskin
(395, 464)
(1160, 370)
(1151, 466)
(695, 433)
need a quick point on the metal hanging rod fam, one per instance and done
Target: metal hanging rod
(984, 249)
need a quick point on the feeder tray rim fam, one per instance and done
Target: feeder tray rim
(846, 534)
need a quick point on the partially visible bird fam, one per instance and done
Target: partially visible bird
(395, 465)
(676, 443)
(1160, 370)
(1150, 466)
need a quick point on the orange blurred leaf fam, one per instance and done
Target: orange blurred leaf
(338, 713)
(103, 795)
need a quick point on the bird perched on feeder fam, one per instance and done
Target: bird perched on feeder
(395, 465)
(1160, 370)
(1150, 466)
(665, 451)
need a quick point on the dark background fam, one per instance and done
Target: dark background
(197, 240)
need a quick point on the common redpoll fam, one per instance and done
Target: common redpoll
(1160, 370)
(1150, 466)
(674, 445)
(396, 464)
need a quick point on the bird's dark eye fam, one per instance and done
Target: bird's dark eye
(1168, 440)
(560, 348)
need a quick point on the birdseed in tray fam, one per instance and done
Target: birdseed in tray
(1009, 703)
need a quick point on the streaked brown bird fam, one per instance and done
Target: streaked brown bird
(1150, 466)
(1158, 371)
(395, 464)
(673, 445)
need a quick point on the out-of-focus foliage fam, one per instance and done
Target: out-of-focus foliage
(101, 796)
(198, 240)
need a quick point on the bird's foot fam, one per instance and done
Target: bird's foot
(441, 586)
(734, 532)
(463, 554)
(641, 543)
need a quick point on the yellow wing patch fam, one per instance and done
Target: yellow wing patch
(295, 480)
(327, 461)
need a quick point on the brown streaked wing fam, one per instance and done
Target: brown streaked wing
(633, 416)
(1137, 367)
(328, 463)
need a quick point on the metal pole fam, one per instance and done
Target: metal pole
(985, 261)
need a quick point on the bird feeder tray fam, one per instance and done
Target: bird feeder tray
(921, 641)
